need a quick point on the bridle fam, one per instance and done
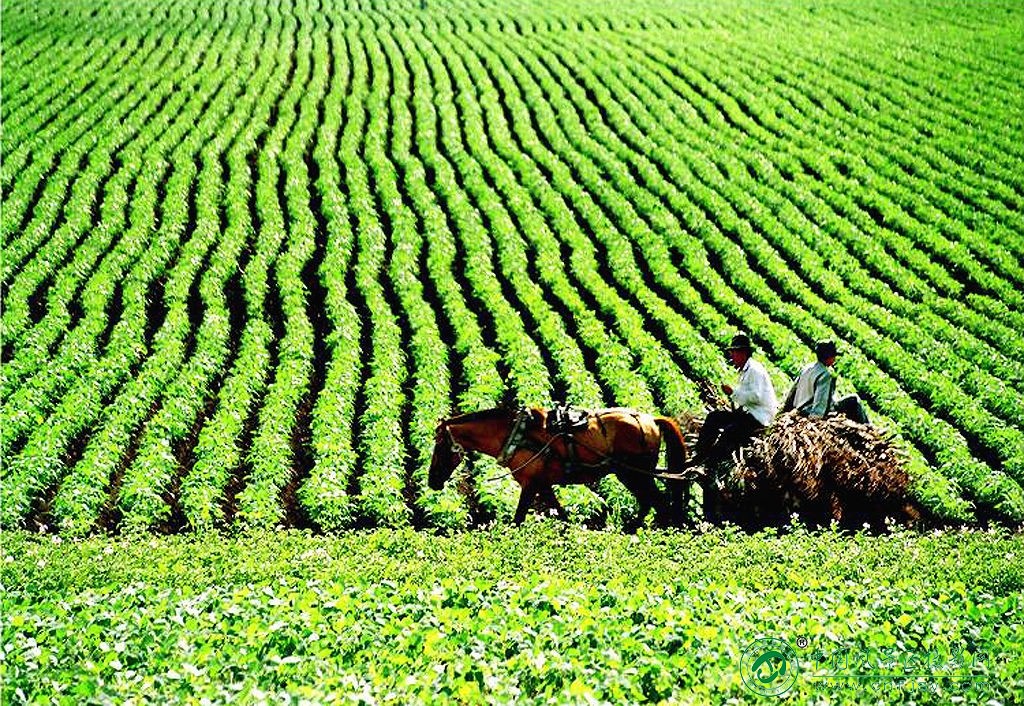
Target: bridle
(453, 445)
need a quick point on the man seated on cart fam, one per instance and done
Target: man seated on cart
(753, 407)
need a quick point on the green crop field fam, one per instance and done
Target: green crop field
(253, 252)
(544, 615)
(252, 255)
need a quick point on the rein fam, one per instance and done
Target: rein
(533, 458)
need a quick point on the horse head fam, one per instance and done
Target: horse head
(446, 457)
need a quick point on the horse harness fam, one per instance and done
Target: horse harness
(562, 421)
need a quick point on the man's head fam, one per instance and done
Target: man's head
(826, 352)
(740, 350)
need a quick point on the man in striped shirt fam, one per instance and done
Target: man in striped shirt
(813, 393)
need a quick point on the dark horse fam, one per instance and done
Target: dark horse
(618, 441)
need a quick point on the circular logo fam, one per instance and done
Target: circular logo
(769, 666)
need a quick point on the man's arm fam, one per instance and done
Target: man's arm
(787, 404)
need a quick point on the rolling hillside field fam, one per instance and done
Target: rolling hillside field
(252, 252)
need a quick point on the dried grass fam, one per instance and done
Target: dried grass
(823, 470)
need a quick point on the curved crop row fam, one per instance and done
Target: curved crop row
(931, 439)
(281, 189)
(83, 494)
(219, 451)
(99, 260)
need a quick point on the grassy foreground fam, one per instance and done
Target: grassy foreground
(544, 614)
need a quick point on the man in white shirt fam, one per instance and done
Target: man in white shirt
(813, 393)
(754, 404)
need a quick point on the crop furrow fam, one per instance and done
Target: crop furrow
(512, 260)
(37, 199)
(327, 494)
(811, 121)
(907, 332)
(483, 373)
(641, 263)
(36, 397)
(846, 232)
(429, 386)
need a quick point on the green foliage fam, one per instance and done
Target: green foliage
(546, 614)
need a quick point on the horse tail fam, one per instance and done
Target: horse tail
(675, 446)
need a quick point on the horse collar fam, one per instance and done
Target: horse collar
(515, 436)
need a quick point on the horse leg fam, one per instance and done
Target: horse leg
(526, 496)
(638, 521)
(666, 504)
(547, 494)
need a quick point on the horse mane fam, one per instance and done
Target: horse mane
(494, 414)
(483, 415)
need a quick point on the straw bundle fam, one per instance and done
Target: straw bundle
(823, 470)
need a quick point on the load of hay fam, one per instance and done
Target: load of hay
(823, 470)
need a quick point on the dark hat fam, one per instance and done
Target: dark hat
(740, 342)
(825, 349)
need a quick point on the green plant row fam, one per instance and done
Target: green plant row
(613, 360)
(511, 257)
(382, 481)
(580, 386)
(942, 119)
(325, 493)
(41, 462)
(610, 217)
(34, 150)
(35, 145)
(482, 384)
(947, 501)
(42, 49)
(101, 266)
(431, 395)
(978, 352)
(790, 351)
(638, 333)
(815, 119)
(846, 204)
(149, 480)
(877, 90)
(271, 457)
(696, 265)
(633, 390)
(907, 334)
(1001, 439)
(421, 209)
(55, 226)
(219, 452)
(904, 209)
(528, 375)
(139, 502)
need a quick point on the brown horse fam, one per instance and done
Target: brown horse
(618, 441)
